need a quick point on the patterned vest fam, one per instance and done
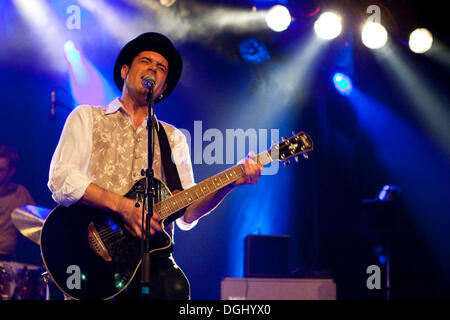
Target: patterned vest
(119, 152)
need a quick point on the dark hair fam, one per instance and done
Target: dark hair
(11, 154)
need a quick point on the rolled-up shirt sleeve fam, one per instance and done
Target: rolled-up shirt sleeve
(68, 177)
(182, 158)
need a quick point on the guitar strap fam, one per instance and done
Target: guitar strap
(169, 167)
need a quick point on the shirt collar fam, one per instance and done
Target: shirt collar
(113, 106)
(116, 104)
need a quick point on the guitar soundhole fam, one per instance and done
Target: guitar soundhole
(103, 237)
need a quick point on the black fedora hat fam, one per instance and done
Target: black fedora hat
(151, 41)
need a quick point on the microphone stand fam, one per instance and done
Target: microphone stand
(148, 198)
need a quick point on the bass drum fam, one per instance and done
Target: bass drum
(21, 281)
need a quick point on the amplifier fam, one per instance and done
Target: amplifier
(277, 289)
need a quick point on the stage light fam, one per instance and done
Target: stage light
(342, 83)
(87, 84)
(69, 46)
(253, 51)
(167, 3)
(374, 35)
(70, 52)
(328, 26)
(389, 193)
(278, 18)
(420, 40)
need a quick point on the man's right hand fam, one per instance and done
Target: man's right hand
(132, 216)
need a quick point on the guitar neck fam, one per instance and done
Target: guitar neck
(185, 198)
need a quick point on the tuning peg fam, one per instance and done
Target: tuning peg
(286, 163)
(284, 138)
(306, 155)
(296, 158)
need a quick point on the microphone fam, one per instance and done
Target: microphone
(52, 108)
(148, 82)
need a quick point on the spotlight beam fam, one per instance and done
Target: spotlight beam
(111, 18)
(412, 163)
(440, 53)
(41, 21)
(86, 82)
(429, 107)
(200, 21)
(293, 80)
(279, 85)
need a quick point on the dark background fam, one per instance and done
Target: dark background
(373, 138)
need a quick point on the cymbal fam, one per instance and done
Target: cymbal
(29, 220)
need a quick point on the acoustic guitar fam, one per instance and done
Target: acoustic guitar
(90, 254)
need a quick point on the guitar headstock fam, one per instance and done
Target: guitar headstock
(298, 143)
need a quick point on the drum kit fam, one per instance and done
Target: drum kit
(22, 281)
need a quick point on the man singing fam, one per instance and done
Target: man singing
(102, 149)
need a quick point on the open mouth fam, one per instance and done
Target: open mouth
(147, 81)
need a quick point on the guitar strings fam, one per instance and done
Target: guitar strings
(107, 233)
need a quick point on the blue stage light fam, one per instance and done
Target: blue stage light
(253, 51)
(70, 52)
(342, 83)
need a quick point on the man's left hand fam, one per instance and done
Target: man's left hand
(252, 170)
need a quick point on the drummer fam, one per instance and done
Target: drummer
(12, 196)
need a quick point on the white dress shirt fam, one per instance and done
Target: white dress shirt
(69, 169)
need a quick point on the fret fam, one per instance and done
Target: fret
(196, 194)
(166, 207)
(184, 201)
(173, 203)
(200, 190)
(204, 189)
(264, 158)
(188, 196)
(225, 176)
(179, 202)
(160, 209)
(157, 207)
(164, 212)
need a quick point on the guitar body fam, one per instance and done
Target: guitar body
(90, 254)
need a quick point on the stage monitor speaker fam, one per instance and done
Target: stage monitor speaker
(266, 256)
